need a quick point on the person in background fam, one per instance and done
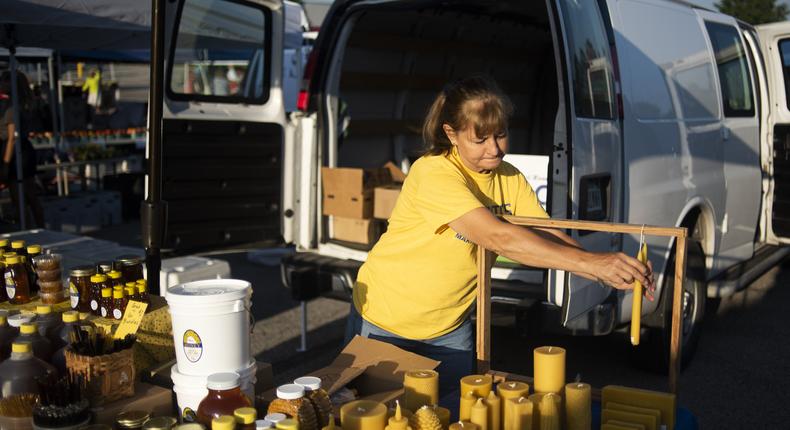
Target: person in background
(8, 130)
(92, 85)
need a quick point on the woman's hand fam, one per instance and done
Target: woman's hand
(620, 271)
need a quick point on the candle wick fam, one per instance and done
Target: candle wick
(512, 385)
(478, 380)
(361, 409)
(549, 349)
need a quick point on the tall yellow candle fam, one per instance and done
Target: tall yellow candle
(398, 422)
(479, 415)
(444, 416)
(550, 412)
(465, 410)
(478, 384)
(421, 388)
(578, 406)
(331, 425)
(522, 412)
(494, 404)
(405, 412)
(510, 390)
(549, 369)
(636, 303)
(363, 415)
(535, 399)
(464, 425)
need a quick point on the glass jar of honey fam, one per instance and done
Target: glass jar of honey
(130, 266)
(80, 287)
(17, 285)
(224, 396)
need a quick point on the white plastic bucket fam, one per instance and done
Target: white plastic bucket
(211, 325)
(190, 389)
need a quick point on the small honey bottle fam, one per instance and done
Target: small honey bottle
(105, 305)
(17, 285)
(118, 303)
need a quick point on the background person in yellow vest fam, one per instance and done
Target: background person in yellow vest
(92, 86)
(418, 285)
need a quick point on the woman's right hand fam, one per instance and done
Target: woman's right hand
(620, 271)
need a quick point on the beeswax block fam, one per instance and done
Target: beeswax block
(664, 402)
(636, 409)
(648, 421)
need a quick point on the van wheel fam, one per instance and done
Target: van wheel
(653, 353)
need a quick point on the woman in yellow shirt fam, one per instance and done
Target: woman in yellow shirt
(417, 288)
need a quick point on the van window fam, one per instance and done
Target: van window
(593, 88)
(734, 78)
(221, 53)
(784, 51)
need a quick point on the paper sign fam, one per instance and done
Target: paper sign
(132, 318)
(535, 169)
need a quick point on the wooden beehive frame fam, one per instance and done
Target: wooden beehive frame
(485, 258)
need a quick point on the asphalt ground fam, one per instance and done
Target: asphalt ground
(739, 378)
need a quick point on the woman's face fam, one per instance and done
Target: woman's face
(479, 153)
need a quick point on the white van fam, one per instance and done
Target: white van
(649, 112)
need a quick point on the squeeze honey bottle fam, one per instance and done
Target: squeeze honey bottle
(98, 283)
(32, 252)
(130, 291)
(105, 304)
(142, 291)
(118, 304)
(17, 285)
(115, 278)
(3, 295)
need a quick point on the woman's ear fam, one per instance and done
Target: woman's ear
(449, 132)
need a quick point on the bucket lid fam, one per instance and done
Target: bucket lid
(290, 392)
(208, 291)
(275, 417)
(184, 380)
(310, 383)
(18, 319)
(263, 424)
(223, 381)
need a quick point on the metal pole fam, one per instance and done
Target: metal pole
(61, 112)
(17, 137)
(53, 96)
(303, 328)
(154, 209)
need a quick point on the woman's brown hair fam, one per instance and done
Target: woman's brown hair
(474, 101)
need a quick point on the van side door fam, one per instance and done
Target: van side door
(223, 126)
(595, 151)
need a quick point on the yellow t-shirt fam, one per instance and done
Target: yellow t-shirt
(419, 280)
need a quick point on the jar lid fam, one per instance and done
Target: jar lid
(18, 319)
(13, 259)
(160, 423)
(104, 267)
(225, 422)
(189, 426)
(18, 244)
(275, 417)
(106, 292)
(132, 419)
(117, 294)
(70, 316)
(245, 415)
(98, 278)
(263, 424)
(3, 242)
(28, 328)
(3, 319)
(81, 271)
(208, 291)
(8, 254)
(223, 381)
(130, 285)
(310, 383)
(21, 347)
(290, 392)
(129, 260)
(114, 274)
(34, 249)
(43, 309)
(129, 291)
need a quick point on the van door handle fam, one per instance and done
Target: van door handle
(725, 133)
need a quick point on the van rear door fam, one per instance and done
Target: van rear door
(223, 123)
(775, 216)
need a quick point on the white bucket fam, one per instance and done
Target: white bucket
(190, 389)
(211, 325)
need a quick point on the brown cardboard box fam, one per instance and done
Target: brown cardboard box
(364, 231)
(384, 199)
(396, 173)
(147, 397)
(374, 369)
(348, 192)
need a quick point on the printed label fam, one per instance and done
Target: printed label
(188, 415)
(103, 312)
(116, 313)
(11, 292)
(94, 305)
(9, 280)
(74, 295)
(193, 346)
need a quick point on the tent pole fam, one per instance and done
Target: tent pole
(154, 209)
(17, 136)
(61, 112)
(53, 97)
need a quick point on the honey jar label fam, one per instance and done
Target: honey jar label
(116, 313)
(9, 280)
(11, 291)
(74, 295)
(94, 305)
(188, 415)
(103, 312)
(193, 346)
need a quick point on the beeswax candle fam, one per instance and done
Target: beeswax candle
(578, 406)
(465, 410)
(480, 414)
(478, 384)
(421, 388)
(510, 390)
(549, 369)
(363, 415)
(398, 422)
(550, 412)
(521, 414)
(464, 425)
(636, 303)
(494, 404)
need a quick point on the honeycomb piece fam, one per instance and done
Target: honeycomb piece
(300, 409)
(425, 419)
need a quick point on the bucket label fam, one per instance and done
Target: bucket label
(74, 294)
(193, 346)
(188, 415)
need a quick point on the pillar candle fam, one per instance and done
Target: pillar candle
(421, 388)
(510, 390)
(465, 410)
(480, 414)
(549, 369)
(550, 412)
(363, 415)
(494, 404)
(478, 384)
(464, 425)
(522, 412)
(578, 406)
(398, 422)
(444, 416)
(535, 399)
(331, 425)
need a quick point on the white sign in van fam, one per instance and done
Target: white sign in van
(536, 169)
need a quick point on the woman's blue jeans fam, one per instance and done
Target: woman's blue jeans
(455, 350)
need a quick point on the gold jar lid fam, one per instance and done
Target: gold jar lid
(129, 260)
(160, 423)
(81, 271)
(189, 426)
(132, 419)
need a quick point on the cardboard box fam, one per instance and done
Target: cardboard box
(384, 199)
(364, 231)
(395, 172)
(348, 192)
(147, 397)
(374, 369)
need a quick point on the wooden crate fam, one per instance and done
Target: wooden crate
(485, 259)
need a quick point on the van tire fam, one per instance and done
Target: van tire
(653, 353)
